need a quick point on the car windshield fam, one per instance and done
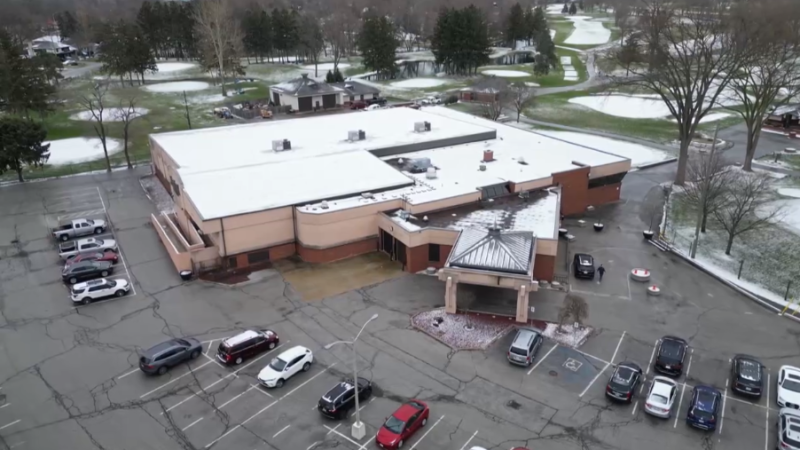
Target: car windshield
(700, 414)
(622, 378)
(658, 398)
(277, 365)
(394, 425)
(671, 350)
(518, 351)
(791, 385)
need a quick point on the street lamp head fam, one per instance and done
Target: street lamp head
(374, 316)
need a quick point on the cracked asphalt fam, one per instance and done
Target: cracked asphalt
(68, 376)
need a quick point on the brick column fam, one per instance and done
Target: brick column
(522, 304)
(451, 287)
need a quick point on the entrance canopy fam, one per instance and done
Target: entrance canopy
(494, 250)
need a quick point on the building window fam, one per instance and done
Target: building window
(258, 257)
(232, 263)
(433, 252)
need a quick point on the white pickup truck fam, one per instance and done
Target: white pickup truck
(68, 249)
(77, 228)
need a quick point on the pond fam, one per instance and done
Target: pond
(414, 69)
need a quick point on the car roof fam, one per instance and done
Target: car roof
(341, 388)
(162, 347)
(293, 353)
(525, 335)
(406, 410)
(791, 370)
(662, 385)
(86, 284)
(706, 395)
(241, 337)
(675, 339)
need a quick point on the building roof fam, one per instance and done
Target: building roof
(495, 250)
(305, 87)
(356, 88)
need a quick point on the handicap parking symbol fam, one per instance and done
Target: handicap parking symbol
(572, 364)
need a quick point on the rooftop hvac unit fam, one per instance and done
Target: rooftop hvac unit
(427, 126)
(356, 135)
(431, 173)
(419, 127)
(281, 145)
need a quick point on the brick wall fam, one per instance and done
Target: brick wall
(324, 255)
(418, 257)
(574, 190)
(544, 267)
(275, 253)
(604, 194)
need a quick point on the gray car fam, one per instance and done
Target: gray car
(525, 346)
(160, 358)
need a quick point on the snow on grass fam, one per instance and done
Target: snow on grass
(178, 86)
(790, 213)
(78, 150)
(419, 83)
(569, 336)
(587, 32)
(624, 106)
(326, 66)
(167, 67)
(531, 84)
(506, 73)
(460, 331)
(109, 114)
(712, 117)
(637, 153)
(789, 192)
(206, 99)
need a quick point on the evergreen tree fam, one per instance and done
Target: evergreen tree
(573, 9)
(565, 9)
(257, 27)
(378, 43)
(25, 85)
(460, 40)
(337, 76)
(329, 77)
(21, 145)
(125, 50)
(515, 26)
(67, 25)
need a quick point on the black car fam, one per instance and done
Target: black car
(376, 101)
(624, 381)
(747, 375)
(583, 266)
(160, 358)
(341, 399)
(670, 356)
(86, 270)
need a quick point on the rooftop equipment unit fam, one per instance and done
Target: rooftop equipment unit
(427, 126)
(356, 135)
(281, 145)
(419, 127)
(418, 165)
(367, 195)
(431, 173)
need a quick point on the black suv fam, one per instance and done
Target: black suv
(624, 381)
(583, 266)
(341, 399)
(86, 270)
(670, 356)
(247, 344)
(747, 374)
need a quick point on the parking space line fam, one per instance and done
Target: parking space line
(16, 445)
(426, 433)
(766, 423)
(469, 440)
(333, 430)
(313, 445)
(542, 359)
(191, 371)
(210, 343)
(591, 356)
(10, 424)
(633, 413)
(119, 248)
(608, 364)
(362, 407)
(211, 358)
(724, 398)
(234, 398)
(652, 355)
(680, 403)
(7, 404)
(129, 373)
(281, 431)
(191, 424)
(260, 390)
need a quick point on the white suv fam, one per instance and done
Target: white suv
(285, 366)
(97, 289)
(789, 387)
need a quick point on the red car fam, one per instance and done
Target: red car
(399, 428)
(358, 104)
(109, 256)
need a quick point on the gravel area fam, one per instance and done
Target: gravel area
(459, 331)
(157, 194)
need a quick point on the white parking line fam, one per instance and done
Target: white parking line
(608, 364)
(16, 445)
(9, 424)
(191, 371)
(313, 445)
(5, 405)
(469, 440)
(191, 424)
(129, 373)
(362, 406)
(333, 430)
(722, 416)
(542, 359)
(210, 343)
(426, 433)
(652, 355)
(633, 413)
(281, 431)
(119, 249)
(234, 398)
(261, 390)
(766, 423)
(591, 356)
(211, 358)
(678, 411)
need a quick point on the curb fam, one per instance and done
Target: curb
(656, 164)
(780, 170)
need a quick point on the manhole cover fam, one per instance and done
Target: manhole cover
(553, 373)
(513, 405)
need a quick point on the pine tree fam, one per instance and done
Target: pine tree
(515, 26)
(329, 77)
(24, 85)
(337, 76)
(378, 43)
(257, 28)
(573, 9)
(21, 145)
(565, 9)
(460, 40)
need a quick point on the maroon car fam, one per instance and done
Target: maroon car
(245, 345)
(358, 104)
(109, 256)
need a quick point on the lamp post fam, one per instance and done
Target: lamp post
(358, 430)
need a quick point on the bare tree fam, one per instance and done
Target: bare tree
(773, 28)
(708, 183)
(94, 102)
(127, 113)
(691, 55)
(520, 97)
(219, 32)
(333, 30)
(574, 307)
(745, 207)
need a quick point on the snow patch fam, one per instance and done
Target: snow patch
(712, 117)
(178, 86)
(637, 153)
(460, 331)
(78, 150)
(326, 66)
(624, 106)
(570, 336)
(419, 83)
(167, 67)
(531, 84)
(587, 31)
(109, 114)
(206, 99)
(506, 73)
(789, 192)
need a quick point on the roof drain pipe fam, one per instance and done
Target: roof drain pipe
(224, 245)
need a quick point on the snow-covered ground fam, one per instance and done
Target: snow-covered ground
(78, 150)
(178, 86)
(167, 67)
(633, 106)
(506, 73)
(789, 192)
(570, 336)
(587, 31)
(711, 117)
(326, 66)
(419, 83)
(531, 84)
(109, 114)
(206, 99)
(638, 154)
(460, 331)
(570, 74)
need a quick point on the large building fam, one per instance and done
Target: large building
(479, 200)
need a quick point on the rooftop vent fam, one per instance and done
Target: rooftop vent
(418, 165)
(367, 195)
(488, 156)
(522, 161)
(482, 167)
(421, 127)
(324, 204)
(431, 173)
(356, 135)
(281, 145)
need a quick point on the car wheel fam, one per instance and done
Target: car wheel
(119, 293)
(279, 383)
(98, 231)
(271, 345)
(86, 301)
(306, 366)
(73, 280)
(64, 238)
(238, 361)
(104, 273)
(195, 354)
(162, 370)
(424, 421)
(400, 444)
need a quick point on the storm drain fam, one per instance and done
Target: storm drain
(553, 373)
(513, 405)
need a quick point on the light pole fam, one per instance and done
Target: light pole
(357, 430)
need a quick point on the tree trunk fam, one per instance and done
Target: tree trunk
(703, 225)
(683, 158)
(518, 113)
(753, 133)
(730, 243)
(127, 156)
(105, 152)
(18, 169)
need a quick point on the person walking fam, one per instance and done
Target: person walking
(601, 270)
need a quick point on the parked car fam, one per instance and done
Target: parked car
(372, 107)
(524, 347)
(747, 375)
(624, 381)
(358, 104)
(670, 356)
(286, 365)
(788, 391)
(704, 407)
(89, 245)
(97, 289)
(402, 425)
(788, 429)
(107, 255)
(78, 227)
(86, 270)
(166, 355)
(376, 101)
(245, 345)
(338, 401)
(583, 266)
(660, 397)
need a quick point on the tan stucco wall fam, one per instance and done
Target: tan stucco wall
(546, 247)
(415, 238)
(443, 204)
(610, 169)
(340, 227)
(531, 185)
(255, 231)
